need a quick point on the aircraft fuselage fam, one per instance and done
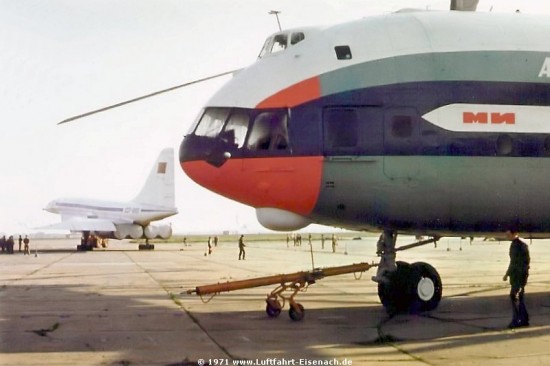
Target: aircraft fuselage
(420, 122)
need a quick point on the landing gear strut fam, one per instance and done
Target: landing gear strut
(404, 287)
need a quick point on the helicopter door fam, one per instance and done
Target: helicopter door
(352, 131)
(401, 142)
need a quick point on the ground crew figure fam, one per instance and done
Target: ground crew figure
(26, 248)
(333, 243)
(209, 245)
(20, 243)
(11, 244)
(3, 243)
(241, 247)
(518, 272)
(215, 241)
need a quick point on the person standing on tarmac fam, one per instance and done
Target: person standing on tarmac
(241, 248)
(26, 249)
(518, 272)
(11, 244)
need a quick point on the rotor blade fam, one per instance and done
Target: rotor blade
(145, 97)
(464, 5)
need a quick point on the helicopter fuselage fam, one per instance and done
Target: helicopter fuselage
(431, 123)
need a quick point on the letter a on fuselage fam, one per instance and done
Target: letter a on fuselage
(545, 70)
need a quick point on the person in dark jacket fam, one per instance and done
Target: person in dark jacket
(518, 272)
(242, 252)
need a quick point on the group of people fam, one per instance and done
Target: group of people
(7, 245)
(210, 241)
(297, 240)
(93, 241)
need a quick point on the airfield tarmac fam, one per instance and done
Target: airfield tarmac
(120, 306)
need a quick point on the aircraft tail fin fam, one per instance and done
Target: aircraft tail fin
(159, 189)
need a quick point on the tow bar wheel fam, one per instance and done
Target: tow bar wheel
(273, 308)
(296, 312)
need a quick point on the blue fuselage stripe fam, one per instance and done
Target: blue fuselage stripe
(377, 107)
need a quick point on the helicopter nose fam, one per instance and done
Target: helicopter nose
(286, 183)
(192, 149)
(195, 148)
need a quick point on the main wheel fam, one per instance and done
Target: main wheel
(394, 293)
(426, 287)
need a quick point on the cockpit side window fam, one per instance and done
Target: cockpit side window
(280, 42)
(212, 122)
(269, 132)
(296, 37)
(236, 128)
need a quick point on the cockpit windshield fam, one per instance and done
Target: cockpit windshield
(246, 129)
(212, 122)
(280, 41)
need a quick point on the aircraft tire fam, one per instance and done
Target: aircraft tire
(146, 246)
(272, 311)
(296, 314)
(426, 287)
(395, 294)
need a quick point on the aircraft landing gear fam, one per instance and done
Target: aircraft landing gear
(146, 246)
(86, 244)
(404, 287)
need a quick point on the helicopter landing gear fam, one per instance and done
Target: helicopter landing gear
(404, 287)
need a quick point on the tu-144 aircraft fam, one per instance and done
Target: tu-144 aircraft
(417, 122)
(121, 220)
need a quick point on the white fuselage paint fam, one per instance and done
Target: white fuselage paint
(118, 212)
(491, 118)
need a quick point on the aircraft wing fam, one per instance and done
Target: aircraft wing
(83, 224)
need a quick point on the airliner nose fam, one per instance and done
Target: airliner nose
(51, 206)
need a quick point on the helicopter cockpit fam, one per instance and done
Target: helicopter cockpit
(280, 41)
(222, 132)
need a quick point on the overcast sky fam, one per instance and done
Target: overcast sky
(65, 57)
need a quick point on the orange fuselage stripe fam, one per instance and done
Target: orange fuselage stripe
(302, 92)
(287, 183)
